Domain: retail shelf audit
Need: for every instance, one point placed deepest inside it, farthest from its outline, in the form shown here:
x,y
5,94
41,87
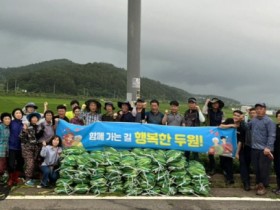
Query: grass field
x,y
8,103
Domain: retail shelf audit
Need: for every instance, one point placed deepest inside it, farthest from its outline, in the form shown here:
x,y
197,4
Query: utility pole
x,y
15,86
133,49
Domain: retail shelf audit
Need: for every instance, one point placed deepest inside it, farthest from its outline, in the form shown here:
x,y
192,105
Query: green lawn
x,y
8,103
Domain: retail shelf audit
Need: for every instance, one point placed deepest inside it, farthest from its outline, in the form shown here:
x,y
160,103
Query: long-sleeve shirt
x,y
263,133
4,139
15,129
50,155
89,117
48,131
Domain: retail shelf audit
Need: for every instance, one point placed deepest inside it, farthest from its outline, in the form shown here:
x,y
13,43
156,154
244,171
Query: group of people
x,y
28,142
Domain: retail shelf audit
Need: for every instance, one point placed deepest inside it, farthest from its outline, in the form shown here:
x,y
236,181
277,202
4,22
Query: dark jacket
x,y
127,117
215,118
191,118
277,140
15,129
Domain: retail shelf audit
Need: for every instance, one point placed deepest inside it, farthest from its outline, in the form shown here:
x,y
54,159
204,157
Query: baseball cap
x,y
260,104
192,100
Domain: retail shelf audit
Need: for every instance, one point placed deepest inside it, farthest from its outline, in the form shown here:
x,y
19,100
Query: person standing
x,y
213,111
47,125
192,118
173,118
6,119
226,160
125,114
277,154
263,138
244,155
29,108
92,111
139,110
76,119
109,115
30,136
70,113
15,160
154,116
61,113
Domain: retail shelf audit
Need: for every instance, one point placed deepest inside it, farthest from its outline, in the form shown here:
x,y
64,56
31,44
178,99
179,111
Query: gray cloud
x,y
206,47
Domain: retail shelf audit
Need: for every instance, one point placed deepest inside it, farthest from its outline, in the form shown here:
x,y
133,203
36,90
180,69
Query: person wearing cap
x,y
61,113
174,117
92,111
125,115
70,114
6,119
154,116
276,154
15,160
214,115
76,119
139,110
192,118
29,108
109,115
263,138
30,136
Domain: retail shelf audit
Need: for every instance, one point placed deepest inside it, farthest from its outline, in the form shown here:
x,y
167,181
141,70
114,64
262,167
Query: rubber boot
x,y
11,179
16,179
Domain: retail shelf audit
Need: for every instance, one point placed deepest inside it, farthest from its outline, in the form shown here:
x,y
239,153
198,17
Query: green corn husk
x,y
81,188
137,172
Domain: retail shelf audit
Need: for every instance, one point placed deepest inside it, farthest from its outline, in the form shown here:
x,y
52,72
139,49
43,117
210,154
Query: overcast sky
x,y
224,47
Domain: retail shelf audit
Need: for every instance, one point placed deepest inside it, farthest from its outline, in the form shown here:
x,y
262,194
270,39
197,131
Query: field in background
x,y
8,103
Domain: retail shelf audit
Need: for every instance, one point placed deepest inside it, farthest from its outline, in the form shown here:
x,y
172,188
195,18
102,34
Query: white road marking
x,y
84,197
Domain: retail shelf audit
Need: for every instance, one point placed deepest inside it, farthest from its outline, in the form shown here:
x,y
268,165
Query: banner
x,y
213,140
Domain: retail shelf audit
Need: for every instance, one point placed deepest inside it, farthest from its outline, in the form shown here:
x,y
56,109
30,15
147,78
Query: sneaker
x,y
261,190
29,183
41,186
277,192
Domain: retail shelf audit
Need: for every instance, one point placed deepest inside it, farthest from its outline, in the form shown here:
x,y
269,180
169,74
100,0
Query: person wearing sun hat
x,y
30,136
109,115
29,108
125,115
215,116
92,111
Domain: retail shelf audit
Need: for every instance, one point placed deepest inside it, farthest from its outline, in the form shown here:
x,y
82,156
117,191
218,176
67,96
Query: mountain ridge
x,y
96,79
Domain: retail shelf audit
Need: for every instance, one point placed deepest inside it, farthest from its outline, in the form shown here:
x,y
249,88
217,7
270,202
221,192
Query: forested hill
x,y
91,79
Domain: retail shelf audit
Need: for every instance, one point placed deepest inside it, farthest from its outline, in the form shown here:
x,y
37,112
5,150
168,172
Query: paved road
x,y
139,204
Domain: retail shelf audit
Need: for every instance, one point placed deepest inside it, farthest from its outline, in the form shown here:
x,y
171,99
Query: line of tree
x,y
92,79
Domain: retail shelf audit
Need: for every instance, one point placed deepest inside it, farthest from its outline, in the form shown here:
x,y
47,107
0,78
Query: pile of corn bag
x,y
134,172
